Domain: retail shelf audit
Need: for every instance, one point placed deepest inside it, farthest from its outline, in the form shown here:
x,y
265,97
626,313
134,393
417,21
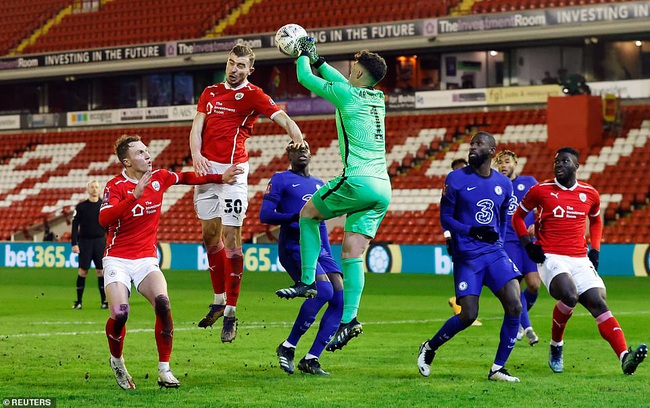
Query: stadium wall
x,y
616,259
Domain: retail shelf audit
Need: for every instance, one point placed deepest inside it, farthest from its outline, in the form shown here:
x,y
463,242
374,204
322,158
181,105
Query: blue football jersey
x,y
520,186
286,194
471,200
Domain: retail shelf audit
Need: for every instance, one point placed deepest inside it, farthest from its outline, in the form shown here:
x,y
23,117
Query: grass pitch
x,y
49,350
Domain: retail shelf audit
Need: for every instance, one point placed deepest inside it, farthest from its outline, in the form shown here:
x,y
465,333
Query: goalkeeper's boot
x,y
76,305
502,375
555,360
216,311
122,376
633,358
298,290
345,333
104,305
285,357
229,331
425,358
167,380
311,366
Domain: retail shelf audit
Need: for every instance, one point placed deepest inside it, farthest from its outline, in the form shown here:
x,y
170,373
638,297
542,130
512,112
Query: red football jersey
x,y
561,223
133,235
230,114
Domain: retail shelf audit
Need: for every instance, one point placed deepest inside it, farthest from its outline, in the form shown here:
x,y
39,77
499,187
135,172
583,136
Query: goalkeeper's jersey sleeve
x,y
360,121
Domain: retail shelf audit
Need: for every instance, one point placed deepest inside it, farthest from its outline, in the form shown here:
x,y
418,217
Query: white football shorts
x,y
126,271
226,201
581,270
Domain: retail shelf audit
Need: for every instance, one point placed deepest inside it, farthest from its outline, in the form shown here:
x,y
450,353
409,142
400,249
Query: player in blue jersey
x,y
455,165
285,196
506,162
474,208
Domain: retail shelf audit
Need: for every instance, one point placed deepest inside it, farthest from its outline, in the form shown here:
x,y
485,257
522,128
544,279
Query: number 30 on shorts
x,y
233,206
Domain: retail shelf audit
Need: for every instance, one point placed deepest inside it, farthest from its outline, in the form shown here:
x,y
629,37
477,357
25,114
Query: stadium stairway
x,y
21,18
127,22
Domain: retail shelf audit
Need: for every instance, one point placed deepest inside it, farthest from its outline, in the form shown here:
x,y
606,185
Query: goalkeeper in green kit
x,y
362,192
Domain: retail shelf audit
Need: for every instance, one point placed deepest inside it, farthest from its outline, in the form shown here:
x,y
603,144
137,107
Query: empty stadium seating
x,y
58,25
42,175
22,17
127,22
501,6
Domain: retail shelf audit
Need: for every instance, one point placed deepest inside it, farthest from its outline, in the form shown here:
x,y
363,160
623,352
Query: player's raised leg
x,y
211,230
354,245
310,247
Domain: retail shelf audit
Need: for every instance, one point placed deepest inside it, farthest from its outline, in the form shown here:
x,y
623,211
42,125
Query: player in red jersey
x,y
131,210
566,268
225,117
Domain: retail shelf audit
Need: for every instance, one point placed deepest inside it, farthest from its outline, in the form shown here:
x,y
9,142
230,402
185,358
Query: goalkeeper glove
x,y
484,233
594,257
307,47
535,253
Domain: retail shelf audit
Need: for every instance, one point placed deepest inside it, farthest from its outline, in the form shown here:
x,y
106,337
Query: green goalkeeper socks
x,y
310,246
353,283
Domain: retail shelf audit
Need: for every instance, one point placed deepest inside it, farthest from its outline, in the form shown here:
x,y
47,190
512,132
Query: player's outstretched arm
x,y
228,177
330,73
334,92
290,126
306,77
307,47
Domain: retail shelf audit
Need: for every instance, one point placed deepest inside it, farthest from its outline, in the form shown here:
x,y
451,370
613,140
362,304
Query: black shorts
x,y
91,250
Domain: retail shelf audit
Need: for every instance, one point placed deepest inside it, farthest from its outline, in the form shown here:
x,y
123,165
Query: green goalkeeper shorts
x,y
363,199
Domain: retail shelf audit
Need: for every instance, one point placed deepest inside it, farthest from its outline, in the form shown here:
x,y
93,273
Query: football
x,y
286,38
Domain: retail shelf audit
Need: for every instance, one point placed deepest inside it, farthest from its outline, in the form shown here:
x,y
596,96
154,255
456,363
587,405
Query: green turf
x,y
49,350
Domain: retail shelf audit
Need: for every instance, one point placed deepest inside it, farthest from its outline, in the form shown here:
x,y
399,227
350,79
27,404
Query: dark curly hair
x,y
373,62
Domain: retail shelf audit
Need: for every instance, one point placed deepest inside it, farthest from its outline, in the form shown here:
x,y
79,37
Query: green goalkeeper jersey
x,y
360,119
